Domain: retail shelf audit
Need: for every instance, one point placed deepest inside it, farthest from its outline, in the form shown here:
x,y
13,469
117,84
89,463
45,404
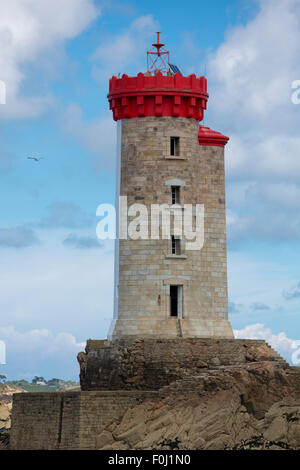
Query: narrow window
x,y
174,146
175,194
176,301
175,245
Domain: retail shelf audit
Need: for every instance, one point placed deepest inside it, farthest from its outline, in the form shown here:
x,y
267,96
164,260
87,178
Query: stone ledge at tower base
x,y
149,364
171,327
167,394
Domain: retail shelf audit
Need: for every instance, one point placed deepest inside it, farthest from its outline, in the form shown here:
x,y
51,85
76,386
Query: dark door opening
x,y
174,301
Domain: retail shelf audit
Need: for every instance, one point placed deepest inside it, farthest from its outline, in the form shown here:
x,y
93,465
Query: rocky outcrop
x,y
167,394
235,408
6,396
149,364
212,394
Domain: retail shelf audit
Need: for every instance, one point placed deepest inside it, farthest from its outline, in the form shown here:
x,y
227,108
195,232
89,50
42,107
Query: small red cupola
x,y
207,136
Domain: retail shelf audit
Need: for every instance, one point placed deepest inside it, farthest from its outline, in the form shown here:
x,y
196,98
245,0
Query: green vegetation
x,y
39,384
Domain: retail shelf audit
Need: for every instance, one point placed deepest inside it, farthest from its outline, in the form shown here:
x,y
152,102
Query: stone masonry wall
x,y
146,267
45,421
70,420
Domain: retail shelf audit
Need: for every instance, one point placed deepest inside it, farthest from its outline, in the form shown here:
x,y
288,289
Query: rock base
x,y
167,394
149,364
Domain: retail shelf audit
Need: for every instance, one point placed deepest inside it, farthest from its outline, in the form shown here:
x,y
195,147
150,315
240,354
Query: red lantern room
x,y
162,91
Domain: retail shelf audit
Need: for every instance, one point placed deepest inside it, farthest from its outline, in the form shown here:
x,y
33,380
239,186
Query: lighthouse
x,y
166,159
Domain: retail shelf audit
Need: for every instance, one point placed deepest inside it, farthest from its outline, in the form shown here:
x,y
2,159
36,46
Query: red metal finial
x,y
157,57
158,45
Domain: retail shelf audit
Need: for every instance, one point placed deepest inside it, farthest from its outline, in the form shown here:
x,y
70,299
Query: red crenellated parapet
x,y
207,136
158,95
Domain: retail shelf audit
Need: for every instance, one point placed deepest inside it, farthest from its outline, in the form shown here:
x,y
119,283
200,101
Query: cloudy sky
x,y
56,57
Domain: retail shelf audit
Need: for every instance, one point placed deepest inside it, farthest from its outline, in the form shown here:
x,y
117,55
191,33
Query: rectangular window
x,y
175,245
174,146
175,194
176,301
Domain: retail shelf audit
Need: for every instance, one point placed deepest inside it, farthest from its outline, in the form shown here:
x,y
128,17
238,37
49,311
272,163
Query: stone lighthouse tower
x,y
163,289
154,385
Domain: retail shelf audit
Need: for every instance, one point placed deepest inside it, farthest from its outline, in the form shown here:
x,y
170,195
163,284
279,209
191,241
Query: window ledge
x,y
174,207
173,157
170,256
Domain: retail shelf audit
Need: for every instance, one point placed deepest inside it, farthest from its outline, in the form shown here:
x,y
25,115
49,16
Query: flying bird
x,y
36,159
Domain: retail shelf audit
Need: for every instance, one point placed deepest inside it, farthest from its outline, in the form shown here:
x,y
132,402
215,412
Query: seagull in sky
x,y
36,159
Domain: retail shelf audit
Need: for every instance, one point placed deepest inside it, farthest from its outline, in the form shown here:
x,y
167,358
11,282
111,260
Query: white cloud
x,y
123,9
28,30
119,53
189,55
40,352
257,63
250,78
83,242
51,300
259,276
49,286
280,342
17,237
98,135
125,52
292,293
65,214
270,211
43,340
263,157
259,306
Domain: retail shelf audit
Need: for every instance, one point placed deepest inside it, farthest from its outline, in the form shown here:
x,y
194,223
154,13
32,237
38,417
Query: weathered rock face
x,y
212,394
6,396
234,409
149,364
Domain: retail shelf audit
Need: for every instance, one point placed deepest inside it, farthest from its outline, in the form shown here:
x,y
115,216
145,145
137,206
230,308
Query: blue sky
x,y
55,58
